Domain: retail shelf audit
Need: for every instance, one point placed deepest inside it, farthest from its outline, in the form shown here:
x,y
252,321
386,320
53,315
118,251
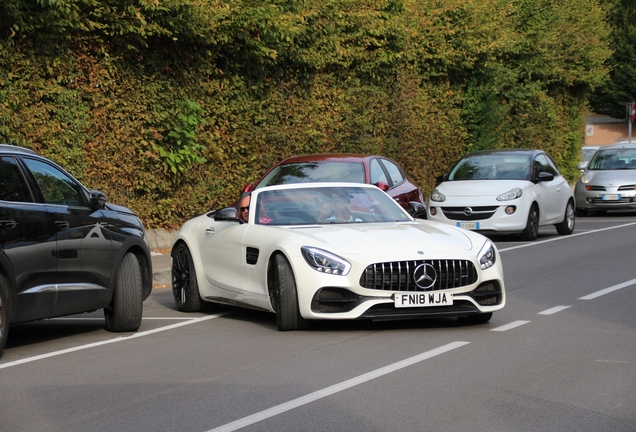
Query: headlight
x,y
585,178
487,255
437,196
510,195
325,262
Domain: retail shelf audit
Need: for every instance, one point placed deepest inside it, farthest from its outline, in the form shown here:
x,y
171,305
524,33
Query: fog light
x,y
510,210
433,211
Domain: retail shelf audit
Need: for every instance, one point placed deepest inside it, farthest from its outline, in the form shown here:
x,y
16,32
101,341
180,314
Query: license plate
x,y
468,225
417,299
611,197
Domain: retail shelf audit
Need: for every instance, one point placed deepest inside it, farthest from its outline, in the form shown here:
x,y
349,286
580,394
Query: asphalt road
x,y
561,356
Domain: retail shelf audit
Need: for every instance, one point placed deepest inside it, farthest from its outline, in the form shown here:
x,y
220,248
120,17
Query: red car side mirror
x,y
248,188
383,186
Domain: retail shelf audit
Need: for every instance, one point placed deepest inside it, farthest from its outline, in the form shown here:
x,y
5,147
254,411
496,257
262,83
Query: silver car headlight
x,y
325,262
510,195
437,196
585,178
487,256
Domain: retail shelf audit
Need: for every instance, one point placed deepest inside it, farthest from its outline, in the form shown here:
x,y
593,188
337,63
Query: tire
x,y
4,312
566,227
283,295
185,288
476,319
531,232
125,310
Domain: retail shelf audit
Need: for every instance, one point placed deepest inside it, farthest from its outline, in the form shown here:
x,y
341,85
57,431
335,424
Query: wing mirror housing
x,y
97,199
417,210
440,179
248,188
227,214
545,177
383,186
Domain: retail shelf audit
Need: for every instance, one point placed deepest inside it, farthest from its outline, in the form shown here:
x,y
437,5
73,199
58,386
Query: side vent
x,y
251,255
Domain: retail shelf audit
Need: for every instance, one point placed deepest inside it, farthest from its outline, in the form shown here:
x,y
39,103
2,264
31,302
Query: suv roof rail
x,y
9,147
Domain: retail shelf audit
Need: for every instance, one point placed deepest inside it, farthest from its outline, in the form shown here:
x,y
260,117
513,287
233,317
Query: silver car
x,y
609,180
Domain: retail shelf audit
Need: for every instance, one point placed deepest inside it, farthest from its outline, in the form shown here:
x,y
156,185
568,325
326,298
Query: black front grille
x,y
595,188
469,213
627,187
399,275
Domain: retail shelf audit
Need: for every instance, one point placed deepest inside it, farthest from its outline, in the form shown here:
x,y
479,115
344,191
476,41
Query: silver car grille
x,y
469,213
399,275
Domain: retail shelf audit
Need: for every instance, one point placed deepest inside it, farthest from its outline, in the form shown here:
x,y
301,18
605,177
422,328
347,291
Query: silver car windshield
x,y
614,159
492,167
313,172
327,205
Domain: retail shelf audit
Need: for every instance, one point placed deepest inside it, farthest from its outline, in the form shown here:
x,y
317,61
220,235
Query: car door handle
x,y
61,225
8,224
209,231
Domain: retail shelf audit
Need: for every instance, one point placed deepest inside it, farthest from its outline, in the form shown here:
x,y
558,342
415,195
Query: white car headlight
x,y
437,196
510,195
325,262
487,255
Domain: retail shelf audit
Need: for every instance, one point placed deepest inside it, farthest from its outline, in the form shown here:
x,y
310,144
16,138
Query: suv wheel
x,y
125,310
4,312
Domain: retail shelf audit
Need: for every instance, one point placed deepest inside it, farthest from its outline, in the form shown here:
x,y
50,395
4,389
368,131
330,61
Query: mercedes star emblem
x,y
425,276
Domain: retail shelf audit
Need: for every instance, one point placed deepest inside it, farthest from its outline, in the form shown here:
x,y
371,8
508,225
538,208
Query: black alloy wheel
x,y
532,226
4,312
284,297
185,288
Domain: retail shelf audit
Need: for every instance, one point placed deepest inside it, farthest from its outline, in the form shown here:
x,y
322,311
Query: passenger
x,y
339,211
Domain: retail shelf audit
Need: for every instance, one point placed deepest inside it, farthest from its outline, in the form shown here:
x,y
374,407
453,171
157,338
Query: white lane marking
x,y
553,310
311,397
109,341
608,290
536,243
510,326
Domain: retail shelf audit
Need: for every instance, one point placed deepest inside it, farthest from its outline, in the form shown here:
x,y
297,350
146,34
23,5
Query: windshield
x,y
614,159
327,205
492,167
313,172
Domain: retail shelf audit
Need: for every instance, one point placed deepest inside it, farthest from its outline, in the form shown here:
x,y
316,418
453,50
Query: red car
x,y
355,168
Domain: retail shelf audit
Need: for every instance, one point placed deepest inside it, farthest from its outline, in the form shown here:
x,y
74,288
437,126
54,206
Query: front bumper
x,y
604,198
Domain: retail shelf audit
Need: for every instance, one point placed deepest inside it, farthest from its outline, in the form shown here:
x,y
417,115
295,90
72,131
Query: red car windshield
x,y
312,172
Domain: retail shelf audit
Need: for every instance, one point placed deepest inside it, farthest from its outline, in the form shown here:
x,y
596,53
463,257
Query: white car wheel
x,y
185,287
532,227
567,226
283,295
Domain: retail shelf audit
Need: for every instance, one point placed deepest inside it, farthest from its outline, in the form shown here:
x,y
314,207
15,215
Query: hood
x,y
616,177
396,238
119,209
476,188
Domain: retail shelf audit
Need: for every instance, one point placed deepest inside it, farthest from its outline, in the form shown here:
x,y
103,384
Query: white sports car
x,y
332,251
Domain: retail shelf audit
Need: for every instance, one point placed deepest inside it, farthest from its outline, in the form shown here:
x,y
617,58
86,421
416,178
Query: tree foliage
x,y
172,106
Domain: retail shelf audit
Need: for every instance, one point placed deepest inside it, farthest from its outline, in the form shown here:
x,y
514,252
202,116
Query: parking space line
x,y
109,341
608,290
553,310
510,326
311,397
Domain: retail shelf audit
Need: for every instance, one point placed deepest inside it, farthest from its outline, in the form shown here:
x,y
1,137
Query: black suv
x,y
64,249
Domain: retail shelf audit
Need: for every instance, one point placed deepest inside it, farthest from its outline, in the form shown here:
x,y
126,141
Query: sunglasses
x,y
244,208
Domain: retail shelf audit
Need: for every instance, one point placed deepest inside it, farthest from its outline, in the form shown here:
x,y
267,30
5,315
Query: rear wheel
x,y
284,297
125,310
567,226
4,312
185,287
532,226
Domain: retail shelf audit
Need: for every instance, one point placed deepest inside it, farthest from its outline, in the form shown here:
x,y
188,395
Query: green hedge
x,y
172,107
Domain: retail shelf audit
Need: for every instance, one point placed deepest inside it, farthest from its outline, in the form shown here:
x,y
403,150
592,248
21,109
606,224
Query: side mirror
x,y
417,210
581,165
227,214
248,188
440,179
97,199
545,177
383,186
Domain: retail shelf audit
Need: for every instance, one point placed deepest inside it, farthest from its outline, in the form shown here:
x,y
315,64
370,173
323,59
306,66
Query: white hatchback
x,y
511,191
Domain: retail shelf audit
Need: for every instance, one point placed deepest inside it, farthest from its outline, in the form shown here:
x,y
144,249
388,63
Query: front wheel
x,y
125,310
531,232
283,295
567,226
185,288
4,312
